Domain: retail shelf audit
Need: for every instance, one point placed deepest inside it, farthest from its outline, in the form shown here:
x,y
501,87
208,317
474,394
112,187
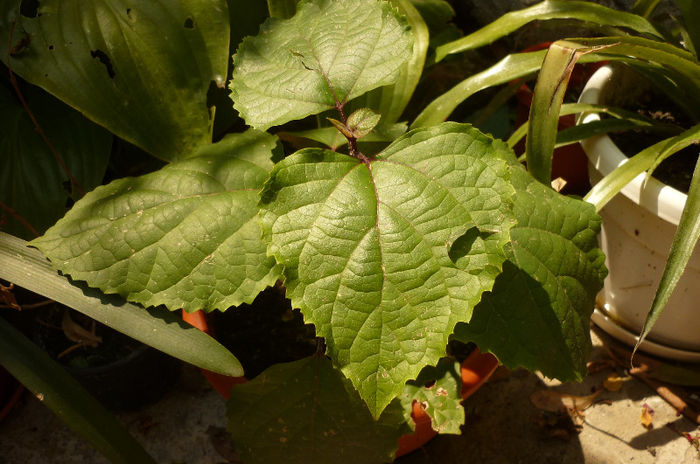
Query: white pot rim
x,y
653,195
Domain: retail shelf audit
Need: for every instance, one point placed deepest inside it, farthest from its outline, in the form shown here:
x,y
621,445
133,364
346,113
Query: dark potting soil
x,y
269,331
50,336
266,332
676,170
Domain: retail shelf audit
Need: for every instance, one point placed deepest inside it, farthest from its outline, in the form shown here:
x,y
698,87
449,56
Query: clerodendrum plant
x,y
388,252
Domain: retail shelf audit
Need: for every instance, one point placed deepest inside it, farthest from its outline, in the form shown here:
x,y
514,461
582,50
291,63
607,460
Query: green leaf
x,y
391,101
283,9
306,412
385,256
140,69
158,328
67,398
547,99
646,160
31,179
511,67
682,248
691,19
327,54
333,139
538,314
362,121
439,389
186,236
552,9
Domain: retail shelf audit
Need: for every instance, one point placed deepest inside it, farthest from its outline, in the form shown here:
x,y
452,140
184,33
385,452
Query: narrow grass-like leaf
x,y
67,398
282,9
645,8
681,249
691,18
158,328
648,158
185,236
552,9
307,412
632,119
548,96
327,54
537,316
120,63
384,257
393,99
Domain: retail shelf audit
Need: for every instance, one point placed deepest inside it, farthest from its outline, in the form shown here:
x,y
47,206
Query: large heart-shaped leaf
x,y
141,69
186,236
538,314
31,178
327,54
306,412
386,256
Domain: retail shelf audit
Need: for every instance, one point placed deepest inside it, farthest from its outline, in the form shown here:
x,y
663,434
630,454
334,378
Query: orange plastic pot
x,y
475,370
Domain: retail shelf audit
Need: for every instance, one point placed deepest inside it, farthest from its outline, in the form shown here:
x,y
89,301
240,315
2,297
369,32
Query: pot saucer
x,y
609,325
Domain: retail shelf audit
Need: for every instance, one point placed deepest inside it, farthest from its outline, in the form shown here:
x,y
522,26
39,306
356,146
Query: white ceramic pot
x,y
638,228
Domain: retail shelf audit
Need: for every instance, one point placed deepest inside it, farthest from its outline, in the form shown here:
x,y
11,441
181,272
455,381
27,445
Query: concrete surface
x,y
502,427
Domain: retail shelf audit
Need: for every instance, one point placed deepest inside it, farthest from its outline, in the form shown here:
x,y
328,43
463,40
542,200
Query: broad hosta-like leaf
x,y
438,388
538,313
305,412
186,236
385,257
141,69
327,54
31,179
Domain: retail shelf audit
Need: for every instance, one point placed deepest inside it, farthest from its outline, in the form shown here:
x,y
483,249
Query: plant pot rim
x,y
475,370
653,195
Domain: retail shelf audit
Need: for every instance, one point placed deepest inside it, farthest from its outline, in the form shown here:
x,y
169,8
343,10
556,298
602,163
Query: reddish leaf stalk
x,y
41,132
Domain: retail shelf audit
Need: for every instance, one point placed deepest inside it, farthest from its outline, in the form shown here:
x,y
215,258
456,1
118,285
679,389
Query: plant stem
x,y
15,86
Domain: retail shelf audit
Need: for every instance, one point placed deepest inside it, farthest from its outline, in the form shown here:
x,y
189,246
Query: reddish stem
x,y
18,217
15,86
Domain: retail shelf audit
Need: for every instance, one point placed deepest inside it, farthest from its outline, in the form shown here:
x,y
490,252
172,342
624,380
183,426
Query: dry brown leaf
x,y
558,184
613,382
647,416
77,333
8,298
597,366
554,401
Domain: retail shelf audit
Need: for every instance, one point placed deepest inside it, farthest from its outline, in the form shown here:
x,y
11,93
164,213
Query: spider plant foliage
x,y
390,243
666,56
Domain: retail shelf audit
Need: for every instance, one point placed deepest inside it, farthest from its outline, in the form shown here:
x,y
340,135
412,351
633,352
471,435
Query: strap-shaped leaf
x,y
385,257
31,179
186,236
156,327
549,9
67,398
537,315
306,412
121,63
327,54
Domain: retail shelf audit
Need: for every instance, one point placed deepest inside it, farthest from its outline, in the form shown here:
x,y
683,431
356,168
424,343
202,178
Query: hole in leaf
x,y
50,47
189,23
29,8
104,59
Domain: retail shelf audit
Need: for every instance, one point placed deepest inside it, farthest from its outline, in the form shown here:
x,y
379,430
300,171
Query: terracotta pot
x,y
637,231
475,370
